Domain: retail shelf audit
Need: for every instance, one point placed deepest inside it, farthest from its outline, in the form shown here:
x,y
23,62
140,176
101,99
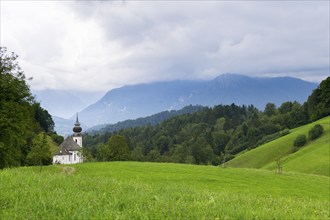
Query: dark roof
x,y
77,128
68,145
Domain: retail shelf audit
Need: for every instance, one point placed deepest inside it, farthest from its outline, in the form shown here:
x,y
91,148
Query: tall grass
x,y
131,190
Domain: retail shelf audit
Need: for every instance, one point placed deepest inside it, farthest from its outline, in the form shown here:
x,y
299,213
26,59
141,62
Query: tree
x,y
153,155
300,140
58,139
103,152
270,109
162,144
286,107
118,148
21,117
43,118
318,103
16,114
315,132
40,153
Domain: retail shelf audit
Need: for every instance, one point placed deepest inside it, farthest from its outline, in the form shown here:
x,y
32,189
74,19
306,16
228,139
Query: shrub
x,y
315,132
300,140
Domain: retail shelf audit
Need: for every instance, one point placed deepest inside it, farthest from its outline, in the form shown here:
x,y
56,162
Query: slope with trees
x,y
213,135
21,117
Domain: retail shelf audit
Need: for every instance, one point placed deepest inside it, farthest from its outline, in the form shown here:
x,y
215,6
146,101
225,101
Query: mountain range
x,y
134,101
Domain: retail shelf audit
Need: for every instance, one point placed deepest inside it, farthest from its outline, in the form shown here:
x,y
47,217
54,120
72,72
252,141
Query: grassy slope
x,y
312,158
132,190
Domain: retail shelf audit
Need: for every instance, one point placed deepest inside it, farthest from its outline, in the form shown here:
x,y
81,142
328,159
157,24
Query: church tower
x,y
77,137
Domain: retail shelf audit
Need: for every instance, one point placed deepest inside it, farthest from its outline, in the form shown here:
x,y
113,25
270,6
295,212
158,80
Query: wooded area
x,y
213,135
21,118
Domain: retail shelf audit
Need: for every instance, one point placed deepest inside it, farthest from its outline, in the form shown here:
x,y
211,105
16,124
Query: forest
x,y
210,136
27,134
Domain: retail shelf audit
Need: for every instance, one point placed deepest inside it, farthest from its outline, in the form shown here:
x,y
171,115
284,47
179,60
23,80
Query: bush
x,y
300,140
315,132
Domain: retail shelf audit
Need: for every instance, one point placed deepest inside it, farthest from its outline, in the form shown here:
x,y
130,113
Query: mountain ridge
x,y
141,100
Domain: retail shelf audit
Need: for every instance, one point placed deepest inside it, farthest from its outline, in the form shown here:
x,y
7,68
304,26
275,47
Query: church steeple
x,y
77,136
77,128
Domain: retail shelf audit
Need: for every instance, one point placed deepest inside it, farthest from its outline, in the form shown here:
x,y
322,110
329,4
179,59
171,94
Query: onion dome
x,y
77,128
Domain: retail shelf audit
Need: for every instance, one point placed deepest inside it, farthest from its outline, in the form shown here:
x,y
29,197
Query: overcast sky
x,y
100,45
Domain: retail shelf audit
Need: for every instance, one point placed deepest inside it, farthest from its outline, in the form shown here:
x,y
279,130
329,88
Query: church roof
x,y
77,128
68,145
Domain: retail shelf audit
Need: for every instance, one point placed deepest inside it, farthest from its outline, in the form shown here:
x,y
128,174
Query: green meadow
x,y
313,158
133,190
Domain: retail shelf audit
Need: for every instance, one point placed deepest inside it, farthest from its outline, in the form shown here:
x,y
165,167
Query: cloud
x,y
99,45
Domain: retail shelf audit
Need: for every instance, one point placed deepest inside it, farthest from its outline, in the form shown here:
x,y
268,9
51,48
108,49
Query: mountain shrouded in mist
x,y
130,102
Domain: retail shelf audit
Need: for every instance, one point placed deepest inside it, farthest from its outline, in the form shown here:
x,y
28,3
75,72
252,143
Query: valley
x,y
167,110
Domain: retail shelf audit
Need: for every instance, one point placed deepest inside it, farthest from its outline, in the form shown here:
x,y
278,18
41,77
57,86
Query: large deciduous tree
x,y
40,153
15,111
116,149
21,118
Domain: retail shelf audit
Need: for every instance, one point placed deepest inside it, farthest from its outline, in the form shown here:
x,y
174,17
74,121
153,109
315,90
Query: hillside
x,y
312,158
134,101
126,190
144,121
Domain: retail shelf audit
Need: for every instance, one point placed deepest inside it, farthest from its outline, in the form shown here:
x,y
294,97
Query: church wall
x,y
62,159
68,159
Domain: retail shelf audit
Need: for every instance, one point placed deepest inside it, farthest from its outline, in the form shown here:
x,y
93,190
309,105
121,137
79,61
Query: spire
x,y
77,121
77,129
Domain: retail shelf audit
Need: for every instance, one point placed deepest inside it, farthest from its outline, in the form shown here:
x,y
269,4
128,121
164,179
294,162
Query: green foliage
x,y
43,118
115,150
131,190
40,153
300,140
58,139
318,103
315,132
150,120
270,109
21,118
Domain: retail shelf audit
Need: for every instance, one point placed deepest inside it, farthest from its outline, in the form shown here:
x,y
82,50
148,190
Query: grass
x,y
132,190
313,158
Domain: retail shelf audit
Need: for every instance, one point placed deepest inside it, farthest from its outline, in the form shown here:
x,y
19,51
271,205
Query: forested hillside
x,y
213,135
23,123
150,120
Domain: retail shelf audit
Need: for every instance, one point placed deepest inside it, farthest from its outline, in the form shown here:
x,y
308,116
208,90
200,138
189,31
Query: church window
x,y
76,141
74,157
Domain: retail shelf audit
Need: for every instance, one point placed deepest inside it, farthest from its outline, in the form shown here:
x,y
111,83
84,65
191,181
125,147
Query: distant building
x,y
71,148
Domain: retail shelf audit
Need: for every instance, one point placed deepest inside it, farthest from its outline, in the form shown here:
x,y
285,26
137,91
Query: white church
x,y
71,148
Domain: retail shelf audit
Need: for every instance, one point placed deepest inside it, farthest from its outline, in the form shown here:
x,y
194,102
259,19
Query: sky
x,y
95,46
